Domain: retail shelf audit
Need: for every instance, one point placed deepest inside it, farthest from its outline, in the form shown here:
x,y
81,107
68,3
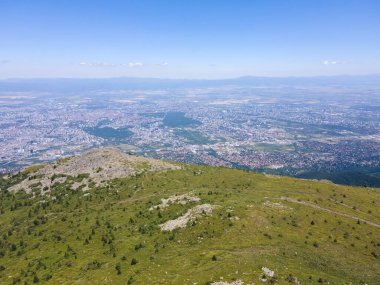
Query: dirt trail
x,y
330,211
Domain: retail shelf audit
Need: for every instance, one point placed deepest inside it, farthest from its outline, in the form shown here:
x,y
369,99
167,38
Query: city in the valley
x,y
306,131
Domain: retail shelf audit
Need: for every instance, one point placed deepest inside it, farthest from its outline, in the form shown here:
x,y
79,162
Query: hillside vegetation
x,y
166,223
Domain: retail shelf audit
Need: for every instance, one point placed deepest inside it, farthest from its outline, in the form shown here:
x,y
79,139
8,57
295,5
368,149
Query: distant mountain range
x,y
72,84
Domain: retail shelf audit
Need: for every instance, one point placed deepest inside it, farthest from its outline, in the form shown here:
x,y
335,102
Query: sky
x,y
205,39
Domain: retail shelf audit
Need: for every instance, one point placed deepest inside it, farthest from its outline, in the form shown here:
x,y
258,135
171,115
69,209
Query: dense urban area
x,y
282,130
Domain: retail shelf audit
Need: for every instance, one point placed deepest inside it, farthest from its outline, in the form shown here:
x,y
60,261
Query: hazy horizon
x,y
195,78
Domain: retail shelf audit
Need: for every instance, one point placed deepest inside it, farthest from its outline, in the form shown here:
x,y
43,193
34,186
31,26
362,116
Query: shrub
x,y
92,265
139,246
290,278
118,268
47,277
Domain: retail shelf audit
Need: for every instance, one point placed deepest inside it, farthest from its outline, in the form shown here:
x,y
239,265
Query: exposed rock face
x,y
237,282
99,165
267,272
180,199
191,214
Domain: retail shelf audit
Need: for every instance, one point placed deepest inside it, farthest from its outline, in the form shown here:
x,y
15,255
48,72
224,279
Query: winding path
x,y
286,199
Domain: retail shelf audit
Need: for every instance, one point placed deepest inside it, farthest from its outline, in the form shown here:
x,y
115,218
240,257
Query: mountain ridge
x,y
185,224
114,83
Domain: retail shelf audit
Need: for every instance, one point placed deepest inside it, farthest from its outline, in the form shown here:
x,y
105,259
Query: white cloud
x,y
101,64
105,64
4,61
135,64
331,62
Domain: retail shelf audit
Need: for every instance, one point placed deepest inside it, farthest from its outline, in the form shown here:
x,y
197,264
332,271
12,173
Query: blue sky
x,y
188,39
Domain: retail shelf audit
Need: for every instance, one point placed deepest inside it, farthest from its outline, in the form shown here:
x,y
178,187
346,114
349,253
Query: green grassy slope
x,y
111,236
